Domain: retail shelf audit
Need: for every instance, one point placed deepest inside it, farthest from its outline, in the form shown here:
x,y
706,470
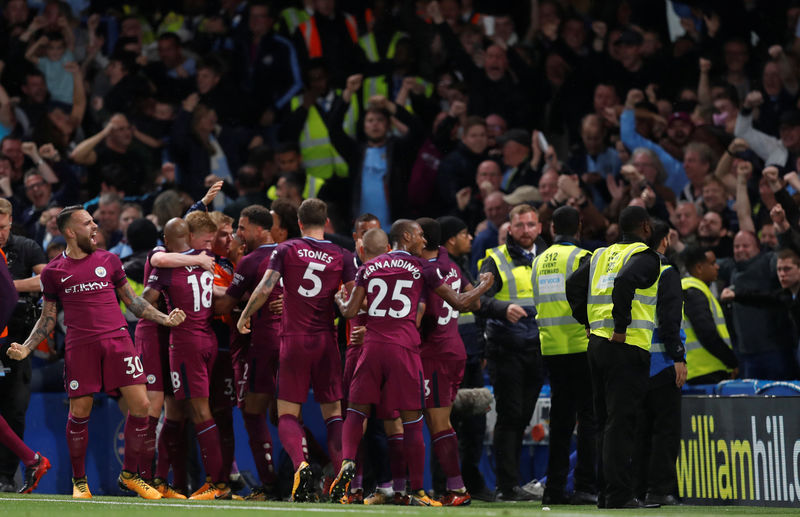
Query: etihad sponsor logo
x,y
87,287
394,263
760,467
314,254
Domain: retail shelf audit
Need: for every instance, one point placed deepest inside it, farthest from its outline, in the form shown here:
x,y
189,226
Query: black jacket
x,y
669,311
471,334
400,155
456,171
640,272
500,333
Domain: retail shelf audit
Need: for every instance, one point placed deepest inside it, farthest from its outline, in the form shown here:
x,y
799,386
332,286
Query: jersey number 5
x,y
382,288
316,282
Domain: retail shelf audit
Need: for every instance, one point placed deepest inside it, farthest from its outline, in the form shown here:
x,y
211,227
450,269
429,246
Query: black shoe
x,y
663,500
513,495
632,503
551,498
237,483
579,497
7,485
484,494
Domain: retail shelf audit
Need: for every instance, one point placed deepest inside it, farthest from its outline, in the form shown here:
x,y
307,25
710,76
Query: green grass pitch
x,y
46,505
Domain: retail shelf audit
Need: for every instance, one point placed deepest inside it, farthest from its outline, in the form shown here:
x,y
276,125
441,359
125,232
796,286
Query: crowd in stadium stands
x,y
386,109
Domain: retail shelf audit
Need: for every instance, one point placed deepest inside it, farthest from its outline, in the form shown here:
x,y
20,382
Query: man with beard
x,y
99,353
512,342
312,270
255,372
378,167
714,235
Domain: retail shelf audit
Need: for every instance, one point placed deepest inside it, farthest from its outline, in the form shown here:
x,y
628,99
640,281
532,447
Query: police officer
x,y
512,341
708,345
658,430
614,296
564,345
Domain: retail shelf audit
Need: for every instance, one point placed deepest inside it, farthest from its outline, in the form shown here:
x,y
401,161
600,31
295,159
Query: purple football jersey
x,y
143,323
191,289
86,289
249,272
312,272
395,282
440,324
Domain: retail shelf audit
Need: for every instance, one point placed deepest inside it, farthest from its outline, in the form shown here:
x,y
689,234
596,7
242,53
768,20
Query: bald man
x,y
152,346
496,210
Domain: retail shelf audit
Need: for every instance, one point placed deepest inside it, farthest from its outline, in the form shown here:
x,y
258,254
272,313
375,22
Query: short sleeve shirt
x,y
86,289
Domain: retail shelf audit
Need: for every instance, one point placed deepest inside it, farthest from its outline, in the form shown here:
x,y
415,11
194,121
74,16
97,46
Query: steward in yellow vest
x,y
564,344
658,429
709,354
512,343
615,295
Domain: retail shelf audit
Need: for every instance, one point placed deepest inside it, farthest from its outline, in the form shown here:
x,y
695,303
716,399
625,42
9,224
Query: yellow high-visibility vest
x,y
605,266
559,332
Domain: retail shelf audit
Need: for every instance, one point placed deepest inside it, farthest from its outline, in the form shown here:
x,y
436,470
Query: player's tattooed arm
x,y
41,331
257,299
465,302
151,295
143,309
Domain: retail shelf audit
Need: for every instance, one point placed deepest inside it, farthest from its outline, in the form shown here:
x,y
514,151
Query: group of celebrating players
x,y
192,358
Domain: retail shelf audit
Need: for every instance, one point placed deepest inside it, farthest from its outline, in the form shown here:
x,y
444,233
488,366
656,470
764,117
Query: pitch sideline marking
x,y
394,510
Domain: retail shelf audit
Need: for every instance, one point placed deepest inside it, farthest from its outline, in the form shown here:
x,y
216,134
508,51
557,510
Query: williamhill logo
x,y
755,461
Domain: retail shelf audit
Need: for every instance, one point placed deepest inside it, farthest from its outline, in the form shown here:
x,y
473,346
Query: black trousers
x,y
571,401
15,394
658,437
517,380
619,380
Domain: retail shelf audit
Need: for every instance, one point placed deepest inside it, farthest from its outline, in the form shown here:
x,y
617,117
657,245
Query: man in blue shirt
x,y
380,164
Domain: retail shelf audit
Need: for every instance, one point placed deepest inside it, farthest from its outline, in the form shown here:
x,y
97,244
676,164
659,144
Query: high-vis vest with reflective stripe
x,y
320,158
377,85
700,361
559,332
292,17
311,34
606,265
659,360
370,46
517,287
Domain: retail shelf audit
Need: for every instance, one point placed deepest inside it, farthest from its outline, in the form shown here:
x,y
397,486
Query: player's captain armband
x,y
549,284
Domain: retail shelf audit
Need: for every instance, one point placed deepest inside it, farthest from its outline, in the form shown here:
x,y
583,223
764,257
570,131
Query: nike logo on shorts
x,y
66,278
137,375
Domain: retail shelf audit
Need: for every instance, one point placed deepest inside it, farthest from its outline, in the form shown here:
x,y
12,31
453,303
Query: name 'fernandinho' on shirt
x,y
394,262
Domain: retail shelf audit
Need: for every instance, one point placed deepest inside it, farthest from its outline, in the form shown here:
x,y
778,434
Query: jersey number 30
x,y
378,284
